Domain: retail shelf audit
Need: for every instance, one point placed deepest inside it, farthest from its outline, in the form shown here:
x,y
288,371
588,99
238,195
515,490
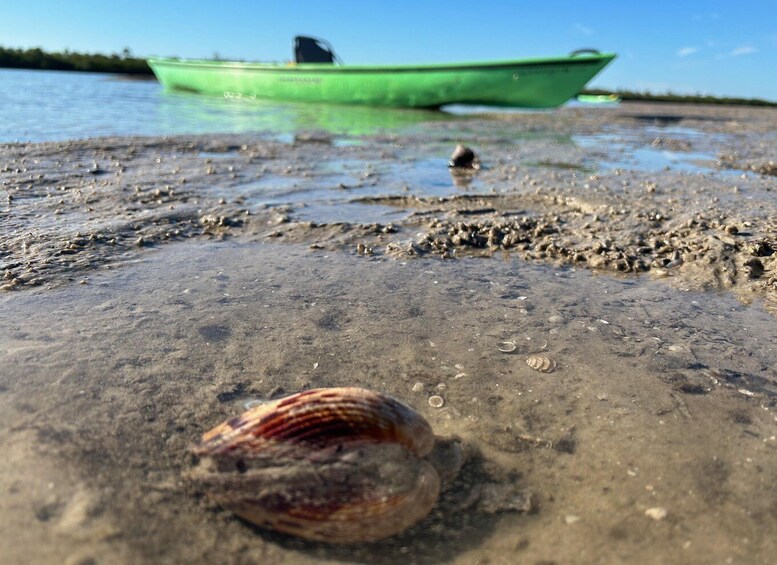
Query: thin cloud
x,y
738,52
685,51
585,30
744,50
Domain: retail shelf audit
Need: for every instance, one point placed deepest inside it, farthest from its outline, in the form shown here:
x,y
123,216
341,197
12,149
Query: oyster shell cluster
x,y
341,465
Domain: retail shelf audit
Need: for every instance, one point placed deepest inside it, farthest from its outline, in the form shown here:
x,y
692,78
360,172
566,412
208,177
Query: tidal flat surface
x,y
153,286
659,400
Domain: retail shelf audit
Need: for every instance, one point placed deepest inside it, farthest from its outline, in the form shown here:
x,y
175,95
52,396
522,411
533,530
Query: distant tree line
x,y
73,61
682,98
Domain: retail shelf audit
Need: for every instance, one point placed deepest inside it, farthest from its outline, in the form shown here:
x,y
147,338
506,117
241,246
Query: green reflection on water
x,y
194,113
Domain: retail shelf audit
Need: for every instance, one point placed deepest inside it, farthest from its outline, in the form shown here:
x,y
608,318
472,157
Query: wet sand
x,y
682,192
217,270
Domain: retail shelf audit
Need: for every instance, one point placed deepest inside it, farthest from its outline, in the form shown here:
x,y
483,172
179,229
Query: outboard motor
x,y
313,50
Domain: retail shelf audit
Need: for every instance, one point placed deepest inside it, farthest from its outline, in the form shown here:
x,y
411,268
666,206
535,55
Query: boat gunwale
x,y
345,69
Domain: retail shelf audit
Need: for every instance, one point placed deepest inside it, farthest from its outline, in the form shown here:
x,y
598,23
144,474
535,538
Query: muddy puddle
x,y
663,153
651,439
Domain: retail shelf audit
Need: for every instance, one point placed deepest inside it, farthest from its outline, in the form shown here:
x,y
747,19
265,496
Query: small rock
x,y
418,387
362,249
755,268
657,513
463,157
571,518
731,229
769,168
761,249
504,497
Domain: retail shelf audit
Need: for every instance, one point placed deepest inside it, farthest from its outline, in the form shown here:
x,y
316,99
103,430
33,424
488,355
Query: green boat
x,y
315,77
599,98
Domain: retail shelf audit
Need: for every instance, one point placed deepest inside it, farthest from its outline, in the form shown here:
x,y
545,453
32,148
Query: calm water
x,y
53,105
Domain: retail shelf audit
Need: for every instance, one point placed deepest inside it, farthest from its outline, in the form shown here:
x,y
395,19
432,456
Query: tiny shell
x,y
436,401
253,403
541,363
507,347
341,465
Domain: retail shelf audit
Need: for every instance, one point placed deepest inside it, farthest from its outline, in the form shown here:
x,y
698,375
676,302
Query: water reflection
x,y
54,106
181,112
626,153
349,190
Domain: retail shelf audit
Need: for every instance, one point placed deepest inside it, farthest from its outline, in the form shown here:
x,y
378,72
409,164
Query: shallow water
x,y
660,399
58,105
631,154
323,191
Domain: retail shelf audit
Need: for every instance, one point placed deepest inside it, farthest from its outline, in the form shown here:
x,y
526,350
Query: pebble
x,y
657,513
418,387
463,157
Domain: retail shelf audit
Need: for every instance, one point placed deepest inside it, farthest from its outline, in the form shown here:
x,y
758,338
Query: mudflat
x,y
154,286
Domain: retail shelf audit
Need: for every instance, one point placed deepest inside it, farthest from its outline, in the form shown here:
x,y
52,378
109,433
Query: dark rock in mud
x,y
463,158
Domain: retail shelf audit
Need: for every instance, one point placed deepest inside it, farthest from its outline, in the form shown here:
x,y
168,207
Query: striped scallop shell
x,y
339,465
541,363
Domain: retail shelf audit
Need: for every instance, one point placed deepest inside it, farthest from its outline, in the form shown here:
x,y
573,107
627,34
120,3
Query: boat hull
x,y
599,98
537,83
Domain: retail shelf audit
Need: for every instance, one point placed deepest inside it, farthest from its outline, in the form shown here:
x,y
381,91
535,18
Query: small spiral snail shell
x,y
341,465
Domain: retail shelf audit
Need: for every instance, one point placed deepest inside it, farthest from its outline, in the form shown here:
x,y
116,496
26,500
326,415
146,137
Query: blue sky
x,y
722,48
